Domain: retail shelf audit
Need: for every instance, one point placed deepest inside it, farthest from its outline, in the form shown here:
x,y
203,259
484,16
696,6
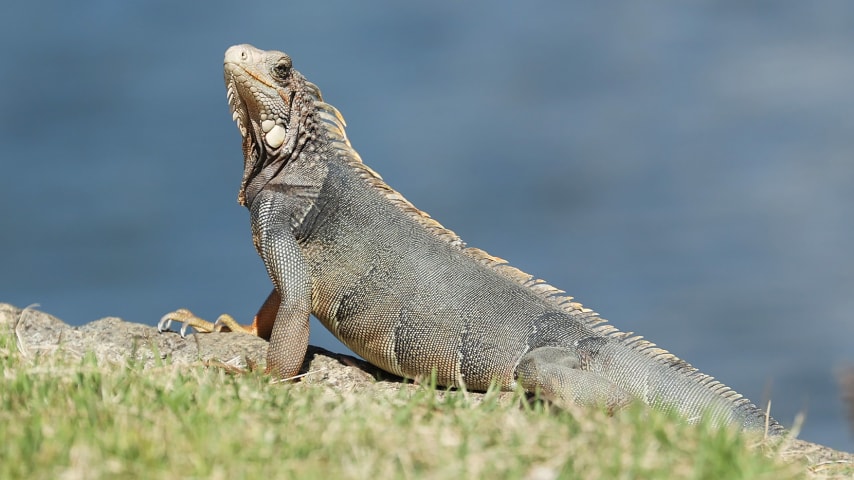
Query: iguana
x,y
404,292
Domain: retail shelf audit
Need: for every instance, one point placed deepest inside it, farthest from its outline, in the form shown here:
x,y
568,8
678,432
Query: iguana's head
x,y
270,101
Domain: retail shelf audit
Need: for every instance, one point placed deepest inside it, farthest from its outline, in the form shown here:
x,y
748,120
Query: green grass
x,y
79,420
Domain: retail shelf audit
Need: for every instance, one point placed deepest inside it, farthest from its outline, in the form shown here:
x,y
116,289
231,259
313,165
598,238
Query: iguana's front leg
x,y
262,324
271,219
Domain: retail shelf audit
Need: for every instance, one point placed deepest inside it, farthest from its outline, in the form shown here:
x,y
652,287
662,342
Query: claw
x,y
164,323
219,324
183,331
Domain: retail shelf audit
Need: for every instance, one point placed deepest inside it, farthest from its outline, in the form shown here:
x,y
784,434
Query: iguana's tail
x,y
664,381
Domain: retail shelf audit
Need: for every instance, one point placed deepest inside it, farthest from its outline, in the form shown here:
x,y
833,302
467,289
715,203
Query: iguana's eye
x,y
282,67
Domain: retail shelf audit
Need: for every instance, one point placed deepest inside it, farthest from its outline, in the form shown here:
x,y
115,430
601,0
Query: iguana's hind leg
x,y
261,326
554,372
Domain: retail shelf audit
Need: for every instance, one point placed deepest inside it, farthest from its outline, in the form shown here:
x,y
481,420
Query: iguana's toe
x,y
187,319
226,322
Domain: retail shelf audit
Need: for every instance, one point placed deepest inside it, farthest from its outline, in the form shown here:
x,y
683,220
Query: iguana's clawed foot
x,y
187,319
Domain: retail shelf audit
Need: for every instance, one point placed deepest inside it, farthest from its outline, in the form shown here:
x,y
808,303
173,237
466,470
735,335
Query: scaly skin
x,y
404,292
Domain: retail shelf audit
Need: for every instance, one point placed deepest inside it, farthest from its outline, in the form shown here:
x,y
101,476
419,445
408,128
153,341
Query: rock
x,y
114,340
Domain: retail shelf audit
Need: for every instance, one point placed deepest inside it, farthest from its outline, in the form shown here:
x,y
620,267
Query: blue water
x,y
687,171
